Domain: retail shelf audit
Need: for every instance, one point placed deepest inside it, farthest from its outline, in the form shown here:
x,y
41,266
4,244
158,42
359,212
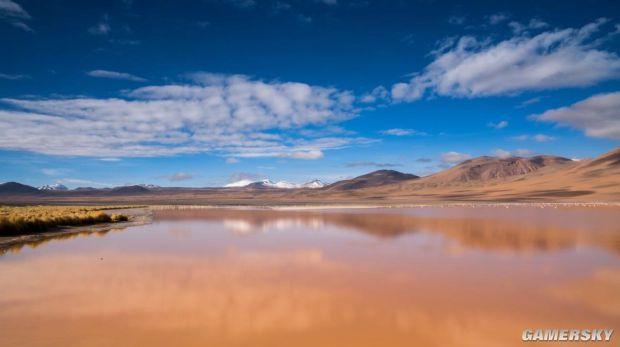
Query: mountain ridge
x,y
539,178
17,188
372,179
492,168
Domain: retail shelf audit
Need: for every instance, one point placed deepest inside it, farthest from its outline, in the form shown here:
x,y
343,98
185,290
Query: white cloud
x,y
23,26
377,94
371,164
408,39
530,101
9,8
12,77
497,18
521,152
311,154
401,132
12,13
543,138
225,115
304,18
241,4
180,176
454,157
115,75
101,28
597,116
533,24
408,92
536,137
53,172
240,176
83,182
499,125
232,160
457,20
280,6
468,67
501,153
110,159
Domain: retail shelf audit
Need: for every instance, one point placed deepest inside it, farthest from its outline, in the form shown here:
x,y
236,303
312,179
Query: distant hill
x,y
609,160
84,189
129,190
14,188
485,168
373,179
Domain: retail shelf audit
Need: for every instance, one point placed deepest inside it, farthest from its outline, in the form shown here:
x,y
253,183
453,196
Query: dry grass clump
x,y
119,218
36,219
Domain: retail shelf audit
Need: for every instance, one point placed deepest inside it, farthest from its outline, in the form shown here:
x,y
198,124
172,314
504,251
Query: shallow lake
x,y
424,276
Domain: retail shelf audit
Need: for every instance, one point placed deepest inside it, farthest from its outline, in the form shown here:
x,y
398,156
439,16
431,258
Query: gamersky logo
x,y
575,335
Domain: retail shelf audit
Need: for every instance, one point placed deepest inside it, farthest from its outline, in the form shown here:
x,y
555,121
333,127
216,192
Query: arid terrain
x,y
482,179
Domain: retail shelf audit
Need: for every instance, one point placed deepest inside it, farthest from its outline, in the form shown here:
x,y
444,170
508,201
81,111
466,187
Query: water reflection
x,y
44,239
479,229
284,278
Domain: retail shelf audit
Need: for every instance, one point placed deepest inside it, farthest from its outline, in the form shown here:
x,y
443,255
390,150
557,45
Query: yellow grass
x,y
35,219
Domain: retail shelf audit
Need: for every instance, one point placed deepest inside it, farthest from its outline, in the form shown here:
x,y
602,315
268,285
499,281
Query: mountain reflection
x,y
536,233
43,239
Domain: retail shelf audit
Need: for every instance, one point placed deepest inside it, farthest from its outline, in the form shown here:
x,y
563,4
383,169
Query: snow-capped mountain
x,y
313,184
279,184
267,183
241,183
149,186
56,186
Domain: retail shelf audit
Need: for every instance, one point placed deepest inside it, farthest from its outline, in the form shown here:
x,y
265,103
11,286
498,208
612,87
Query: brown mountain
x,y
373,179
492,168
540,178
128,190
14,188
607,162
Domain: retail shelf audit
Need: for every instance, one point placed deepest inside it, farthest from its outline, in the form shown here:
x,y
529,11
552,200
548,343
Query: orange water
x,y
369,277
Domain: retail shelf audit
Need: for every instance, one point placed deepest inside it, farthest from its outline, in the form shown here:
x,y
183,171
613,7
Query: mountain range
x,y
267,183
538,178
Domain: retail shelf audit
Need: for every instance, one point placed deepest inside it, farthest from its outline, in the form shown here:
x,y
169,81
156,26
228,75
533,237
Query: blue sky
x,y
199,93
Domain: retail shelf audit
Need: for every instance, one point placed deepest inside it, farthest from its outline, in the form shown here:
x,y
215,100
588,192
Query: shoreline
x,y
137,216
287,207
